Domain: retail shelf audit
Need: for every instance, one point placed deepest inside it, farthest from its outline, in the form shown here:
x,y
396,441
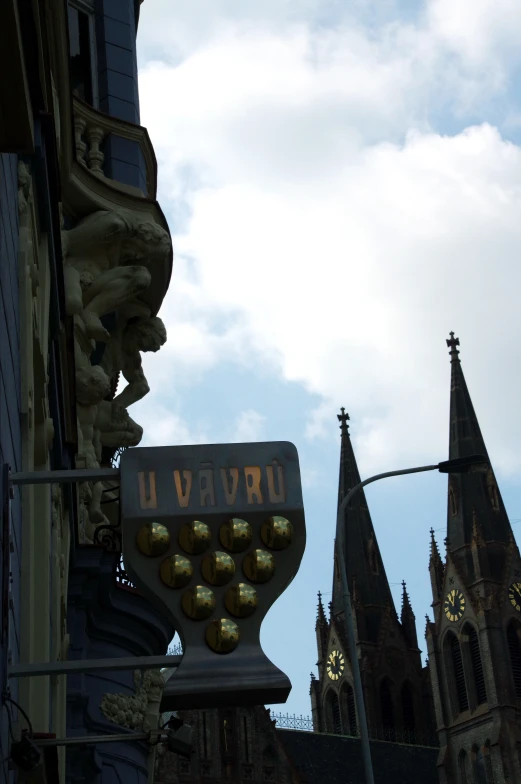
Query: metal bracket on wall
x,y
88,740
67,476
78,666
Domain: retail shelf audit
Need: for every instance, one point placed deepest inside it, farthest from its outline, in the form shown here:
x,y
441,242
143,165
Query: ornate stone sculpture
x,y
116,427
100,275
137,711
106,269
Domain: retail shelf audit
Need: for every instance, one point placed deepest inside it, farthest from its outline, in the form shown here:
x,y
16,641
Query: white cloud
x,y
332,233
249,426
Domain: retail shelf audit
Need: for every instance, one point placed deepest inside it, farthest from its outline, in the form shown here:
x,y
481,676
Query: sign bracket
x,y
68,476
78,666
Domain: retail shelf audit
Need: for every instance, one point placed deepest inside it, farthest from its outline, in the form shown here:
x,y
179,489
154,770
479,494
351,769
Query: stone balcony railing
x,y
114,149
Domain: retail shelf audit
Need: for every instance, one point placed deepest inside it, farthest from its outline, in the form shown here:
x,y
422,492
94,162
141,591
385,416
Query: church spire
x,y
321,616
363,560
408,619
473,493
436,569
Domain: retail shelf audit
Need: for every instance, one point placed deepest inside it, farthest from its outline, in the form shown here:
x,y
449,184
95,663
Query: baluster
x,y
94,156
79,127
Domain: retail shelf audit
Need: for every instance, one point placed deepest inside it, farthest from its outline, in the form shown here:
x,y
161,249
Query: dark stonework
x,y
235,745
105,621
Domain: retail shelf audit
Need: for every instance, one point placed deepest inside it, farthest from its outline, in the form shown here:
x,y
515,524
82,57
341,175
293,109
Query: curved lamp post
x,y
460,465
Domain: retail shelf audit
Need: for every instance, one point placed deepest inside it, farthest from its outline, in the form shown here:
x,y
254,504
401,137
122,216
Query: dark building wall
x,y
106,621
10,432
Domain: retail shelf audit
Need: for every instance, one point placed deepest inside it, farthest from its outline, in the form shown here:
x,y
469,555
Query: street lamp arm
x,y
354,490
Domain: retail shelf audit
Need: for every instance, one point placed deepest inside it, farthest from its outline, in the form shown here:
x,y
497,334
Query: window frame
x,y
87,7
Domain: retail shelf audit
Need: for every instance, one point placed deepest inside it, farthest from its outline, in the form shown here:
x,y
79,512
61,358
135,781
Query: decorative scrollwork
x,y
108,536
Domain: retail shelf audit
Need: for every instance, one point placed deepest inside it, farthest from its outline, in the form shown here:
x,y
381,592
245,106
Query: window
x,y
82,52
515,655
246,743
205,738
489,775
409,723
456,661
480,773
492,491
477,668
386,708
350,708
462,767
334,723
452,502
372,554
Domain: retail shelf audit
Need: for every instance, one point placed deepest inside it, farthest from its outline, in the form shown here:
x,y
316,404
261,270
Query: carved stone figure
x,y
134,711
92,385
116,427
123,353
100,270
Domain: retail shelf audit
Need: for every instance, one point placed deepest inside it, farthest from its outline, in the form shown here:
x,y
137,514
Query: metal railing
x,y
409,737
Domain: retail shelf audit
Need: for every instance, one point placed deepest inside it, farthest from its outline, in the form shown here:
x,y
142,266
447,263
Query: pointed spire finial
x,y
321,616
406,603
434,546
452,343
343,418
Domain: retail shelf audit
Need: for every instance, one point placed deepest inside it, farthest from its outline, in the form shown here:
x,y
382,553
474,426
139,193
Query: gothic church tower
x,y
474,642
394,682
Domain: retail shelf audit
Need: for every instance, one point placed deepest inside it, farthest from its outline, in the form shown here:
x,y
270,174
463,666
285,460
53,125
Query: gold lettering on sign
x,y
183,498
147,490
230,492
253,489
280,497
206,487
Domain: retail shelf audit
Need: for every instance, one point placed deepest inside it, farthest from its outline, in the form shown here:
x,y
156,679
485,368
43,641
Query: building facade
x,y
474,641
85,262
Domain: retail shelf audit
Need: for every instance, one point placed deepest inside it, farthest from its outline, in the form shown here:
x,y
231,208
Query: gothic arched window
x,y
479,769
205,738
334,722
492,491
514,648
489,776
453,502
475,660
386,708
349,706
407,698
372,554
455,661
463,767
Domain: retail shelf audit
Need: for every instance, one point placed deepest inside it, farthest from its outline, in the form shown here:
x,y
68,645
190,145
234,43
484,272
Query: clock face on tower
x,y
454,605
335,665
514,594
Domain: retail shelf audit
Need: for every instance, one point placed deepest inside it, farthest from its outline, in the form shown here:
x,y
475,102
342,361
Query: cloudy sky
x,y
343,186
